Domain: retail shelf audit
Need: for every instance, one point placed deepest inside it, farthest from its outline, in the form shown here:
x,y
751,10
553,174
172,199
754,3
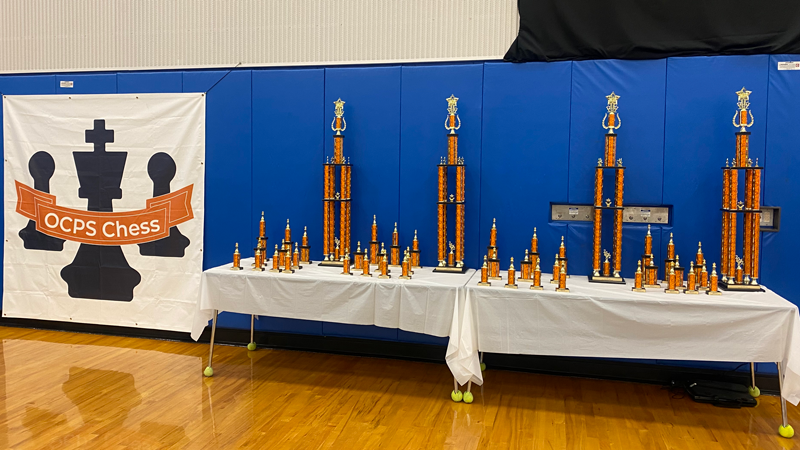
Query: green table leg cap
x,y
754,391
456,396
483,367
468,397
786,431
251,346
209,372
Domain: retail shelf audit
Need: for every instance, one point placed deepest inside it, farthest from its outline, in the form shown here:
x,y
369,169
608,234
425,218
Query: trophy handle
x,y
752,121
344,124
735,115
602,122
619,122
459,122
333,128
447,123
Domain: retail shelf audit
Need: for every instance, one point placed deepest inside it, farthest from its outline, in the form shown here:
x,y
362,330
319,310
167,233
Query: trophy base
x,y
236,268
480,283
741,287
562,290
275,270
305,262
638,290
702,289
553,281
690,292
671,291
332,264
450,269
510,286
526,280
495,278
713,293
404,278
366,275
537,288
395,265
257,269
416,267
346,273
384,277
652,286
605,279
287,271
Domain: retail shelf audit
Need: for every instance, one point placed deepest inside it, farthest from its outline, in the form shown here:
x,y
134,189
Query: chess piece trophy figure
x,y
161,169
100,271
41,166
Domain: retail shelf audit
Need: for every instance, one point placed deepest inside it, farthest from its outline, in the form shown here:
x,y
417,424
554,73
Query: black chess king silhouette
x,y
41,166
98,271
161,169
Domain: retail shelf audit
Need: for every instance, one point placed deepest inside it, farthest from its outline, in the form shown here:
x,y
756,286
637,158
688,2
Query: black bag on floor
x,y
718,393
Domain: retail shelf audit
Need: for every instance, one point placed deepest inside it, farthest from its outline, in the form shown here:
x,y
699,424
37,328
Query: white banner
x,y
104,208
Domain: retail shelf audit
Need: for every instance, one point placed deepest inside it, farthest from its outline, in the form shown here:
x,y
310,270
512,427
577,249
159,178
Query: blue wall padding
x,y
525,154
148,82
641,86
423,142
530,135
699,137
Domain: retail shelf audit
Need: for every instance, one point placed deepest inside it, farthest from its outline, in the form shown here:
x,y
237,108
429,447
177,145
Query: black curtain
x,y
554,30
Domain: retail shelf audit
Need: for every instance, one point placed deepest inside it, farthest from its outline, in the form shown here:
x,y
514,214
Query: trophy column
x,y
453,262
741,273
609,162
337,202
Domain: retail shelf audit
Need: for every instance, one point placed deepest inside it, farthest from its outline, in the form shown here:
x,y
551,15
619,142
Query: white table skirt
x,y
611,321
423,304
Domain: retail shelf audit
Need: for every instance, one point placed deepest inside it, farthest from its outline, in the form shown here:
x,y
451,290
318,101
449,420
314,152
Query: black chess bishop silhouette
x,y
42,167
161,169
98,271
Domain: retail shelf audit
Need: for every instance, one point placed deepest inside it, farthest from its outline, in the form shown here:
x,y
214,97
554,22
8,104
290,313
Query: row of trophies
x,y
736,274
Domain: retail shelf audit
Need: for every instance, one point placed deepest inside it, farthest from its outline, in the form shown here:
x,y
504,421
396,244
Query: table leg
x,y
456,395
209,372
785,429
252,345
483,366
468,398
753,389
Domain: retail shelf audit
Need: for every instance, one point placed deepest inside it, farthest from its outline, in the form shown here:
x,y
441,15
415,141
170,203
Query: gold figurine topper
x,y
611,114
452,108
744,105
338,125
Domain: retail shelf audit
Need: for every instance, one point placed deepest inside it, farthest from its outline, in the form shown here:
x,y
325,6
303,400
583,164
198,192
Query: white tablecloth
x,y
611,321
423,304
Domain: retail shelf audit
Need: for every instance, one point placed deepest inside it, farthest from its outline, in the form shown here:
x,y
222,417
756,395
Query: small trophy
x,y
669,262
556,271
713,282
287,235
305,249
562,256
296,257
415,260
373,244
494,265
526,268
395,248
406,266
365,265
337,254
237,259
451,255
358,258
606,264
534,255
259,263
638,283
562,278
671,283
262,236
287,261
512,284
484,273
276,260
346,262
384,267
537,278
703,278
691,280
678,271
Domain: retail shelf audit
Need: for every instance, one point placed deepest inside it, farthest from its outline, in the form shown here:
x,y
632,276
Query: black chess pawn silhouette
x,y
41,166
161,169
100,271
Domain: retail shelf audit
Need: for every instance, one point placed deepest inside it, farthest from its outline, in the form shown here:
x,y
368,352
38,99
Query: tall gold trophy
x,y
741,275
454,264
336,203
605,275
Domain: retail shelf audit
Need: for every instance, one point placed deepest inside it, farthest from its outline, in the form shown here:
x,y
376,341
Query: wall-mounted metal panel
x,y
658,215
78,35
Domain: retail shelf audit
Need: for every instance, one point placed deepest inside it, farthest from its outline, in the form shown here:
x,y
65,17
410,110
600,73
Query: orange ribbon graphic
x,y
105,228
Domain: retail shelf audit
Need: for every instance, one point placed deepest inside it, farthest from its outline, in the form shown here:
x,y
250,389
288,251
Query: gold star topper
x,y
612,103
744,99
339,109
452,103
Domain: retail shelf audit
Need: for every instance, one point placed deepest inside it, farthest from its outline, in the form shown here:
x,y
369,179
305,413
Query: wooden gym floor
x,y
68,390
